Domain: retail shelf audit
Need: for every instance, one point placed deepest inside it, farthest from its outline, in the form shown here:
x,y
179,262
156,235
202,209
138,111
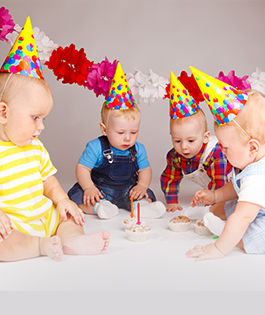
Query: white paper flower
x,y
149,87
257,81
45,46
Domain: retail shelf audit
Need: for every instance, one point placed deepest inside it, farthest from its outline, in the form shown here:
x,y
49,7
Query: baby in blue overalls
x,y
114,167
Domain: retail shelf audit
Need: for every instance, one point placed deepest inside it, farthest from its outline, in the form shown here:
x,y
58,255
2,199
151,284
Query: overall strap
x,y
106,150
133,152
209,147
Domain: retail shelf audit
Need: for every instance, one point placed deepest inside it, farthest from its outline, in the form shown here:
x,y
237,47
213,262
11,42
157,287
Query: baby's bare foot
x,y
91,244
52,247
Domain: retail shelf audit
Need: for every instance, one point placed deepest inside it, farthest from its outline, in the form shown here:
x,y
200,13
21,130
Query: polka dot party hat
x,y
181,103
120,95
224,101
23,57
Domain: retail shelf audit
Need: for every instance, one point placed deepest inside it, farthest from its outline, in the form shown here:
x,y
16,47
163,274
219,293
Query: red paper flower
x,y
190,84
70,65
6,23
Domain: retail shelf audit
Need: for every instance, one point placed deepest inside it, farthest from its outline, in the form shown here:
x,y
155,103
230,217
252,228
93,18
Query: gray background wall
x,y
162,35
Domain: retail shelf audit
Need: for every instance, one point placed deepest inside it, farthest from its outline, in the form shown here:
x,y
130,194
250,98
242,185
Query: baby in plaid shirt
x,y
195,154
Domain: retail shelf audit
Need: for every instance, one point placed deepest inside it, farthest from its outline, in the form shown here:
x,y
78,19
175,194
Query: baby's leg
x,y
103,209
76,242
20,246
218,210
87,209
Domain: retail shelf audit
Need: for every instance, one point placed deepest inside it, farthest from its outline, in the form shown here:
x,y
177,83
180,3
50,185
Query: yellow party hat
x,y
182,103
23,57
224,101
120,95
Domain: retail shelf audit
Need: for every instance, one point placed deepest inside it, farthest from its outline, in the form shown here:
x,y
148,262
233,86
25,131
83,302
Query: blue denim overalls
x,y
115,177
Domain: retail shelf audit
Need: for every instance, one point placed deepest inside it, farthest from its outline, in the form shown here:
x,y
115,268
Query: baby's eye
x,y
191,141
120,132
134,132
36,117
177,141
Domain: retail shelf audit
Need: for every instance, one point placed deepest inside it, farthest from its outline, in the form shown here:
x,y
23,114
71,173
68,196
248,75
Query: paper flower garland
x,y
147,87
6,23
100,75
257,81
70,65
236,82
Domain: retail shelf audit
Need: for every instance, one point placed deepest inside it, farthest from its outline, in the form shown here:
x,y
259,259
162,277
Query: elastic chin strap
x,y
3,90
243,130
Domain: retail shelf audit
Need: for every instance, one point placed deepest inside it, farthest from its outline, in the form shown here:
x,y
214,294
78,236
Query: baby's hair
x,y
199,115
251,119
131,113
10,84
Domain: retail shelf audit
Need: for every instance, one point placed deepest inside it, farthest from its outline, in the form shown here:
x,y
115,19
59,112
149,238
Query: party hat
x,y
23,57
224,101
120,95
181,103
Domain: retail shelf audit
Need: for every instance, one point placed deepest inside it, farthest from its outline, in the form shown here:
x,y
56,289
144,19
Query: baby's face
x,y
188,137
236,152
122,131
26,113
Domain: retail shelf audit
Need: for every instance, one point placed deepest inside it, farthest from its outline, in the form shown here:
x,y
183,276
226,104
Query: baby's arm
x,y
170,181
208,197
91,192
5,225
235,227
144,180
54,191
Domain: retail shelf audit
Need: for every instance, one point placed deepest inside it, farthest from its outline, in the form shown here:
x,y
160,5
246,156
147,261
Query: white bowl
x,y
177,226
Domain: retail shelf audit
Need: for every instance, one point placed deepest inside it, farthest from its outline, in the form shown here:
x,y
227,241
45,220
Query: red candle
x,y
138,214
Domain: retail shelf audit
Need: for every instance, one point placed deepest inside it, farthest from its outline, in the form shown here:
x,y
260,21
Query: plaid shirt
x,y
216,166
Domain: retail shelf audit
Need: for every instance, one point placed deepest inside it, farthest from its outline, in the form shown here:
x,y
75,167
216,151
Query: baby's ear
x,y
103,128
254,146
3,112
206,137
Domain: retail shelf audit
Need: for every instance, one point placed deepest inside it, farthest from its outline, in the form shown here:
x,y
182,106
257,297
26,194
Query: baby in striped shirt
x,y
36,216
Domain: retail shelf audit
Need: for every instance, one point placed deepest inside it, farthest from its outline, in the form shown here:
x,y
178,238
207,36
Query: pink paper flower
x,y
6,23
236,82
100,76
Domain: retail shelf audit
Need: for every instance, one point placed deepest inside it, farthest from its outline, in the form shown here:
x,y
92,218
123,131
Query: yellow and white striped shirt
x,y
22,172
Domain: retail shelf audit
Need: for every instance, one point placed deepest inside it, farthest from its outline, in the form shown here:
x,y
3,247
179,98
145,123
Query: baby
x,y
36,216
114,167
239,128
195,153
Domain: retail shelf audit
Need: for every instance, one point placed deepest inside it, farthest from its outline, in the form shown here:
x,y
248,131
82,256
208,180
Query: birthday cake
x,y
200,228
179,224
138,232
130,221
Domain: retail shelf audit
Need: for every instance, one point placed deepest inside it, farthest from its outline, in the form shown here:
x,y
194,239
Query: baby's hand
x,y
203,196
209,251
91,195
65,206
138,192
172,207
5,226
